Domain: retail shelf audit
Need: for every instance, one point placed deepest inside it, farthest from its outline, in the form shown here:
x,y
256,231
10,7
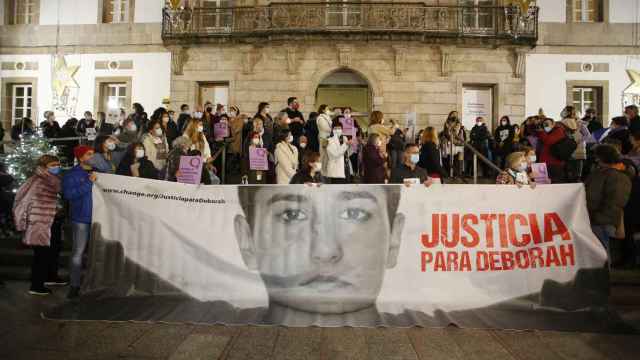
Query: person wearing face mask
x,y
195,133
516,171
107,157
303,148
337,147
297,119
35,207
577,130
409,173
254,140
129,133
503,135
286,155
183,118
235,146
264,114
550,135
281,123
430,158
169,127
198,113
85,123
373,161
310,170
323,123
136,164
155,145
480,139
77,187
180,148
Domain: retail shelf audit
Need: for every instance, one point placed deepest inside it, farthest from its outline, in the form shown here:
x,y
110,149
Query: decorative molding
x,y
292,59
400,58
114,65
586,67
344,54
250,57
179,56
19,65
446,59
520,62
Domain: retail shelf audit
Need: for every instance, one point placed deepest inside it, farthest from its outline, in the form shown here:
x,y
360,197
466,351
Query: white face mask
x,y
522,167
504,123
111,146
289,139
158,132
479,123
132,127
533,158
337,132
233,114
197,115
255,141
379,143
316,166
267,110
200,128
139,154
548,129
303,145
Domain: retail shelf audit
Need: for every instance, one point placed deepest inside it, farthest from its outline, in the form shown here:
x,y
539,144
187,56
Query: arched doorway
x,y
343,88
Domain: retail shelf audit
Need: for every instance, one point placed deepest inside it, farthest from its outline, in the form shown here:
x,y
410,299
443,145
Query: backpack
x,y
564,149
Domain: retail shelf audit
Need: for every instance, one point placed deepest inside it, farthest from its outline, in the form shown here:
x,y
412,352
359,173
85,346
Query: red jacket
x,y
548,140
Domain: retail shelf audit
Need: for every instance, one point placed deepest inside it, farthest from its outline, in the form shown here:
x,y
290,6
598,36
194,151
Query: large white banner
x,y
359,255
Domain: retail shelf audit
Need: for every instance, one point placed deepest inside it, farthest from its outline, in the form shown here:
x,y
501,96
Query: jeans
x,y
603,233
81,233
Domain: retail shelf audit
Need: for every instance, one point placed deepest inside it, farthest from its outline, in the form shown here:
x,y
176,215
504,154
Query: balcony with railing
x,y
342,19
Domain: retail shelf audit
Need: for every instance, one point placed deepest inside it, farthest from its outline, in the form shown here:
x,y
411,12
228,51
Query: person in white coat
x,y
337,147
286,157
324,123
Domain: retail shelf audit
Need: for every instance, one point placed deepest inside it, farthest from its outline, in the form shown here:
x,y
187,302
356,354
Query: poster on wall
x,y
65,87
631,95
476,101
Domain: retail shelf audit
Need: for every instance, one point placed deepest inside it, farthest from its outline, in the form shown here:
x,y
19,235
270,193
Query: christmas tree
x,y
22,161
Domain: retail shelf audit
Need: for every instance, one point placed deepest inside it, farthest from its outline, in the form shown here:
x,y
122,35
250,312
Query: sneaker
x,y
56,282
74,293
40,292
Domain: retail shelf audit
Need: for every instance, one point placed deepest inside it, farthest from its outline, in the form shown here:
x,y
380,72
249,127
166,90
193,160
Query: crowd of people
x,y
329,146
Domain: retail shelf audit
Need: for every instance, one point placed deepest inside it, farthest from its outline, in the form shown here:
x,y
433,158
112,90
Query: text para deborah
x,y
501,241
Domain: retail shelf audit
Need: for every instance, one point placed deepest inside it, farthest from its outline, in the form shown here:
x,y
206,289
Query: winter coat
x,y
83,124
303,177
503,136
581,135
335,161
77,189
50,131
287,162
35,207
608,191
324,127
146,170
480,137
235,127
548,140
158,158
430,160
373,165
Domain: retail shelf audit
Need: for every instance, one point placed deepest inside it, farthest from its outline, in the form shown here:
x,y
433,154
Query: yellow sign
x,y
634,88
63,76
524,4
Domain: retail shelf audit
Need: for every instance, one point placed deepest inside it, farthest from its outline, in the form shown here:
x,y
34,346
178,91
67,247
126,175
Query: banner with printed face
x,y
343,255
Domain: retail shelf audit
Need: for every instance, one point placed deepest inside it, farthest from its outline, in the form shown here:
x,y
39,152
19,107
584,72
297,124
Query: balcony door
x,y
343,13
216,15
477,15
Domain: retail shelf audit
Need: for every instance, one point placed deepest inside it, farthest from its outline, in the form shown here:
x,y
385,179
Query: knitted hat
x,y
80,150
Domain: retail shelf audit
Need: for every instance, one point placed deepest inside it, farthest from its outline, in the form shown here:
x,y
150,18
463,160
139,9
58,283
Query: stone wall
x,y
403,77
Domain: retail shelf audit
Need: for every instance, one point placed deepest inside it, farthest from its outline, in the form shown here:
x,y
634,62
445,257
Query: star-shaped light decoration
x,y
63,76
634,88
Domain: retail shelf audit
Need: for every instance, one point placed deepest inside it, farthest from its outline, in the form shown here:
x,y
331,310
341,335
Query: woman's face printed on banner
x,y
321,251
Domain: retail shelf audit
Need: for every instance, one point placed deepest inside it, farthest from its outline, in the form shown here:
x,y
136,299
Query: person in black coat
x,y
297,119
22,127
430,154
311,131
136,164
619,130
309,172
503,136
86,123
50,127
593,123
480,140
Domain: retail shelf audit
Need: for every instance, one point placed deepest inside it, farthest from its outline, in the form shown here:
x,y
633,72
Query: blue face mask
x,y
54,170
415,158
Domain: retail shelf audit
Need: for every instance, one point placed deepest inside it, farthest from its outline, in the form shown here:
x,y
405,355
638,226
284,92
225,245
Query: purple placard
x,y
190,170
258,159
348,127
540,173
220,130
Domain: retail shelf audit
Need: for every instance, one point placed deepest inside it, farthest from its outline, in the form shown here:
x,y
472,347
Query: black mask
x,y
209,109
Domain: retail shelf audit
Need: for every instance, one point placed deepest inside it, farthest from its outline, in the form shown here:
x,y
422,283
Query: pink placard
x,y
190,169
348,127
540,173
258,159
220,130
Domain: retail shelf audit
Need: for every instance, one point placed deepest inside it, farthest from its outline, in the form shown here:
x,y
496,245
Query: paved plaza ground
x,y
25,335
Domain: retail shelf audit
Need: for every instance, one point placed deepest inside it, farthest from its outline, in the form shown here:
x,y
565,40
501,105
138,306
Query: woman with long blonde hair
x,y
430,154
195,133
